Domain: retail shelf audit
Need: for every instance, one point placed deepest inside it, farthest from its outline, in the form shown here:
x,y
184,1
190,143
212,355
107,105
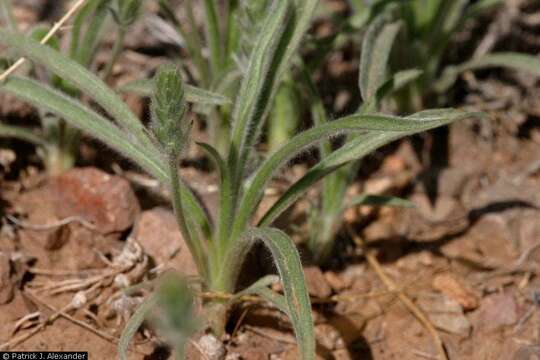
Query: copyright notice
x,y
43,355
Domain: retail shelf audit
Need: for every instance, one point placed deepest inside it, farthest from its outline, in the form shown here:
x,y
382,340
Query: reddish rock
x,y
71,246
316,282
446,314
498,310
157,232
328,337
336,281
107,201
455,289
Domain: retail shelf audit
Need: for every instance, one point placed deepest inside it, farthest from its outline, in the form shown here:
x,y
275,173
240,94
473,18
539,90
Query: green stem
x,y
115,54
57,160
195,247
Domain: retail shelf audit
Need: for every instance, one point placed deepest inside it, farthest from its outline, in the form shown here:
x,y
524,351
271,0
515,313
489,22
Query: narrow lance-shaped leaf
x,y
289,267
213,34
84,43
134,323
174,316
246,128
256,287
378,200
226,213
376,49
357,148
192,38
6,10
278,300
516,61
21,133
354,123
254,95
476,8
193,94
83,118
83,79
102,129
395,83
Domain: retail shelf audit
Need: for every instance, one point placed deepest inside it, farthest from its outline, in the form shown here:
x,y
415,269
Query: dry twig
x,y
45,227
409,304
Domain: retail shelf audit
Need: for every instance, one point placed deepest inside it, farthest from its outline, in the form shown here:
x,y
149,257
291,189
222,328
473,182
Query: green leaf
x,y
174,317
134,323
81,78
395,83
257,86
102,129
358,147
6,9
193,94
226,213
256,287
278,300
284,116
376,49
127,12
213,37
84,42
21,133
390,125
290,271
279,39
516,61
192,38
84,119
479,6
378,200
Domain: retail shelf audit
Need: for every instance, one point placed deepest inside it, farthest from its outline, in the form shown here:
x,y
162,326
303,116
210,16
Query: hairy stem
x,y
195,247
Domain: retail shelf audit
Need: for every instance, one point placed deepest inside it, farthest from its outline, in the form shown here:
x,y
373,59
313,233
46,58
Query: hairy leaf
x,y
256,287
357,148
174,317
516,61
226,213
290,270
278,300
378,200
21,133
84,119
83,79
376,49
257,85
134,323
194,94
102,129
